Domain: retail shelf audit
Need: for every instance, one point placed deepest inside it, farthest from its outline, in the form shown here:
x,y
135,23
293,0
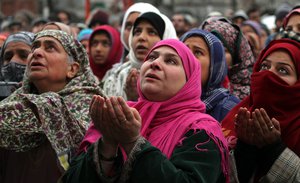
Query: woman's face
x,y
100,48
201,51
293,23
128,25
49,63
16,51
162,74
145,36
280,63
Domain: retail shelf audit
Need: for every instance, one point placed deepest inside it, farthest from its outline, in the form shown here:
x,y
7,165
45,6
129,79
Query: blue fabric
x,y
217,99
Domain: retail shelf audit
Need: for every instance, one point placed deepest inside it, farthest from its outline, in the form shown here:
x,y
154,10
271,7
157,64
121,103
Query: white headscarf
x,y
139,8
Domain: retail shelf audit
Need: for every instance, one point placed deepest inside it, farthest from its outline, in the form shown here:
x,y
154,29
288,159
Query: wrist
x,y
107,151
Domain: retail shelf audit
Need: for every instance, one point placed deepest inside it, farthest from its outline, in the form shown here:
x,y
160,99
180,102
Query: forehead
x,y
282,56
132,17
17,45
47,40
166,50
196,39
101,35
144,23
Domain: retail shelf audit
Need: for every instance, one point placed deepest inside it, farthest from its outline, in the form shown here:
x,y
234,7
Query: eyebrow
x,y
282,63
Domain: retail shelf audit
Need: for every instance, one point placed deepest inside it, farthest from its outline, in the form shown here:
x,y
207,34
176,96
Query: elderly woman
x,y
43,122
165,134
258,120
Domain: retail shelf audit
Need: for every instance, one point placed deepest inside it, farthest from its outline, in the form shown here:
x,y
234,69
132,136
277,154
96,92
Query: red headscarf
x,y
270,92
115,52
288,16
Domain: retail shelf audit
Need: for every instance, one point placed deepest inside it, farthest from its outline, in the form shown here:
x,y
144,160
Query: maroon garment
x,y
270,92
37,165
115,52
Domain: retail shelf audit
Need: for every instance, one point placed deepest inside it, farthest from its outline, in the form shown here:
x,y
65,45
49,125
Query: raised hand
x,y
267,130
244,126
130,87
101,120
126,120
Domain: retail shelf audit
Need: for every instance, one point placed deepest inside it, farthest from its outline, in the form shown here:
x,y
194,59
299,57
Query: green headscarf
x,y
27,118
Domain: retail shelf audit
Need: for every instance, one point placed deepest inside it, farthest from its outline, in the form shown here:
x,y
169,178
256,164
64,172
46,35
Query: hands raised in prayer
x,y
118,123
256,128
130,87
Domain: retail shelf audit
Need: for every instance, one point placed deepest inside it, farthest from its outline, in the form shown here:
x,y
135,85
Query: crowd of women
x,y
142,104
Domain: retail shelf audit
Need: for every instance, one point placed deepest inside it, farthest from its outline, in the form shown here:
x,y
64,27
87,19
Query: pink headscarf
x,y
288,16
166,123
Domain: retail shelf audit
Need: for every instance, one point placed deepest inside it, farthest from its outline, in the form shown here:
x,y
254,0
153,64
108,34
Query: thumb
x,y
136,115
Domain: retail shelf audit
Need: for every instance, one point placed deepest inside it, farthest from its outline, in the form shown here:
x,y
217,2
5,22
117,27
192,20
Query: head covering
x,y
242,56
240,14
139,8
115,82
25,37
213,94
97,16
84,34
115,52
62,26
165,123
154,19
29,118
282,101
288,16
255,26
168,32
13,71
282,11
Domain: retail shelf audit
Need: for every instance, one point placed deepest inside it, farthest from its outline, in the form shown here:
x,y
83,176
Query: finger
x,y
126,109
267,120
136,114
276,124
111,111
118,110
261,121
256,124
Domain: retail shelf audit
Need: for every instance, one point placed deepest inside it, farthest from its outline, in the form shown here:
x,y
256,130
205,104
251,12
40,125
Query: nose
x,y
155,65
36,53
142,36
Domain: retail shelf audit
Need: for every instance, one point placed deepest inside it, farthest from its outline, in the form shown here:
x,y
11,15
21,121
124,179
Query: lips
x,y
152,76
36,64
141,48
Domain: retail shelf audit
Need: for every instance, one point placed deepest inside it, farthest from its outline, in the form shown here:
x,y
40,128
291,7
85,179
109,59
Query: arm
x,y
187,164
286,168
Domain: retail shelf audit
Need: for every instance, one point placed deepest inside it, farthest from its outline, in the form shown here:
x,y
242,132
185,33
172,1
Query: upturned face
x,y
162,74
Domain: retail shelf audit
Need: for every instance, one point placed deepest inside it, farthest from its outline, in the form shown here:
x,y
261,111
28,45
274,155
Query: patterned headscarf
x,y
242,56
213,94
28,118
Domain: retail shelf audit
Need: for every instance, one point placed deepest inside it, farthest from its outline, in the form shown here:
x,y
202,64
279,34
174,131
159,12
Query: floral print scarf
x,y
28,119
